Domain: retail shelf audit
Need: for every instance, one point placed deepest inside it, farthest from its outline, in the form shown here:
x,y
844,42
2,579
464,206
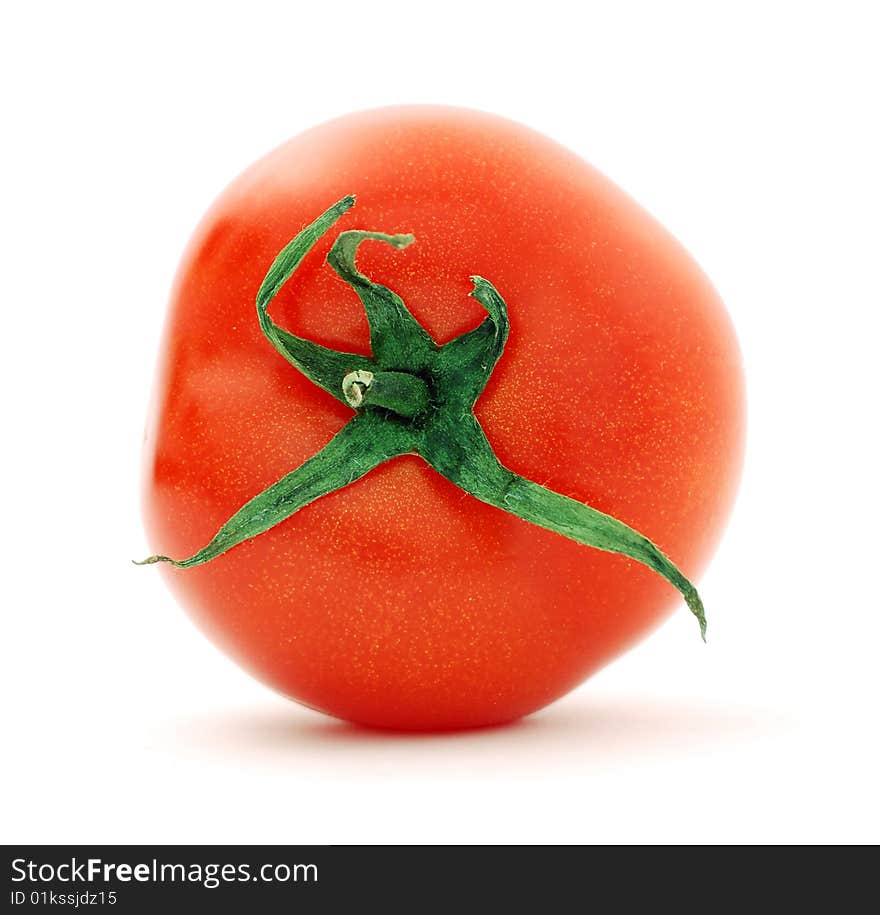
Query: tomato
x,y
400,600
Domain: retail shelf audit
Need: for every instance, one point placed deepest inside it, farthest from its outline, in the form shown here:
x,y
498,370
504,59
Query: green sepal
x,y
325,367
457,448
397,340
466,363
363,443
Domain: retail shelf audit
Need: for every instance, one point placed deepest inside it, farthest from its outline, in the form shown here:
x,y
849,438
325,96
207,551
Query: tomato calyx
x,y
412,396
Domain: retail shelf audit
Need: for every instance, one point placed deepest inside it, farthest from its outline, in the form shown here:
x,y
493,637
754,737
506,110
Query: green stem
x,y
401,393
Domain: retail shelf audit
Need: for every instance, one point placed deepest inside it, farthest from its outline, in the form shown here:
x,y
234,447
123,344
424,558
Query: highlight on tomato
x,y
480,434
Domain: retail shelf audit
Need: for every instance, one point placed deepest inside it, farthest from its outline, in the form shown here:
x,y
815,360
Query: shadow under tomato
x,y
587,731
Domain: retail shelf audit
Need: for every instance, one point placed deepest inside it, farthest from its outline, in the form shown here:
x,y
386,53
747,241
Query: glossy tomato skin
x,y
400,601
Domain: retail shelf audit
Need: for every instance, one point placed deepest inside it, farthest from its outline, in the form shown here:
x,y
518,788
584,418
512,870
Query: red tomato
x,y
401,601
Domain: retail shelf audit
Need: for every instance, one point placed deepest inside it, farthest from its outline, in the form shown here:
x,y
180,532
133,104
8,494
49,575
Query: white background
x,y
749,130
